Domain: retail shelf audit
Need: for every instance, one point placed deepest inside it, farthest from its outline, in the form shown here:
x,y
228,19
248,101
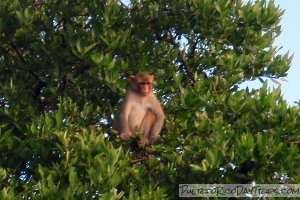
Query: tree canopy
x,y
63,73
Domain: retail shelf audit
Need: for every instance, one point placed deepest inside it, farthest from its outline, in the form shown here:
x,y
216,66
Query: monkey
x,y
141,111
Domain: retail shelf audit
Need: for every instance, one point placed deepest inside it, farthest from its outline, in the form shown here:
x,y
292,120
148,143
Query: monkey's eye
x,y
144,83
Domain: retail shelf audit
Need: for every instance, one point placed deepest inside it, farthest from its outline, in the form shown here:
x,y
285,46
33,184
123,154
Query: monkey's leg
x,y
146,127
115,125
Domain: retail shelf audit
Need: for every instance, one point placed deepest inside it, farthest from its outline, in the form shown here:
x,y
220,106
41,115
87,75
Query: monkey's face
x,y
142,83
144,87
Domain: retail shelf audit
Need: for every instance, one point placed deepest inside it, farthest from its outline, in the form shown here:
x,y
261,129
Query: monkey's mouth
x,y
144,89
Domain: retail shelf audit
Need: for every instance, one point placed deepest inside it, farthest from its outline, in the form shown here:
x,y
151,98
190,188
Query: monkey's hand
x,y
144,141
125,136
152,138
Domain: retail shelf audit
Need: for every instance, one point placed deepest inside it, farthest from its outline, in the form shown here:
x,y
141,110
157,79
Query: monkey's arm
x,y
159,121
124,125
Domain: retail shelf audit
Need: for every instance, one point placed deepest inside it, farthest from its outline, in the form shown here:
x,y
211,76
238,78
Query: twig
x,y
294,142
171,40
138,160
18,52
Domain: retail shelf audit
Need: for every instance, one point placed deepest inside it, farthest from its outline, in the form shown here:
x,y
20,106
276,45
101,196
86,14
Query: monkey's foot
x,y
144,141
124,136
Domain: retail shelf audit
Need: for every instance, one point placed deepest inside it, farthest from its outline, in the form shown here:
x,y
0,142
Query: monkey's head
x,y
141,83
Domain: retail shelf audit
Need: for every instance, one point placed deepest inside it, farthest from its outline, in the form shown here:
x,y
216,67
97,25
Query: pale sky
x,y
289,41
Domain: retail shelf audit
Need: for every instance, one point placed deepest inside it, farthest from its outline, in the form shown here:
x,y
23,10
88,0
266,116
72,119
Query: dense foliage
x,y
63,69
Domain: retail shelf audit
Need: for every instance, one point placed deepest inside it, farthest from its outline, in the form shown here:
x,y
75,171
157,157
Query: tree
x,y
63,71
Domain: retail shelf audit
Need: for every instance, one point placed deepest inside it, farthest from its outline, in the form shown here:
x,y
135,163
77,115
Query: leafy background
x,y
287,41
63,75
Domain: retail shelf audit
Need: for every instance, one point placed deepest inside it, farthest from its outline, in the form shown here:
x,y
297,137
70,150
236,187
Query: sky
x,y
289,40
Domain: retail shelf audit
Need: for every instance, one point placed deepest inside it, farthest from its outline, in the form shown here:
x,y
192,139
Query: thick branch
x,y
41,84
193,49
83,68
185,66
38,89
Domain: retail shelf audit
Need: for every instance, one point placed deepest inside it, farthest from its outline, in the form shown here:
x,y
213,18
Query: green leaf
x,y
89,48
59,117
49,121
3,174
73,180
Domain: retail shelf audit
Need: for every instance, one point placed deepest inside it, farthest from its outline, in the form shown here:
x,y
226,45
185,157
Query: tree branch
x,y
18,52
169,38
138,160
294,142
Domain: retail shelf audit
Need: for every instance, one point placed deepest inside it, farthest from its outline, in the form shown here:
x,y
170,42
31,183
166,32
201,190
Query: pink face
x,y
144,87
142,83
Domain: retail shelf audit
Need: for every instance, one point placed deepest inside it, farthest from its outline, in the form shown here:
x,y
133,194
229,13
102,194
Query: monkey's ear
x,y
131,77
152,77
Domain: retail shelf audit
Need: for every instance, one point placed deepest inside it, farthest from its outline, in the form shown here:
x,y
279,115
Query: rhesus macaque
x,y
141,111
